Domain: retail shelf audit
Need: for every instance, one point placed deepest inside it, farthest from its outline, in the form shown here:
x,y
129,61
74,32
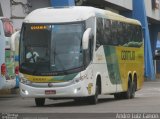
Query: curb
x,y
9,91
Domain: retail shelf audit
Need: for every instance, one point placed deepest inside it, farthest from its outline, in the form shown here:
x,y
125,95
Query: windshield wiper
x,y
72,70
59,72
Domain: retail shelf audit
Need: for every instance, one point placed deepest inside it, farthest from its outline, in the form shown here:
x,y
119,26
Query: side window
x,y
138,32
90,23
104,36
134,37
110,32
91,41
124,33
107,32
137,36
129,32
114,32
120,33
99,31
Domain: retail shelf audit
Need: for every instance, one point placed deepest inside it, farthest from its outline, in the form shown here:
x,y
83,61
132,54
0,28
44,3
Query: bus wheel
x,y
133,89
127,94
39,102
94,99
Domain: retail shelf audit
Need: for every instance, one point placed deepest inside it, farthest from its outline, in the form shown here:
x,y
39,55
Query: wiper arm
x,y
63,70
72,70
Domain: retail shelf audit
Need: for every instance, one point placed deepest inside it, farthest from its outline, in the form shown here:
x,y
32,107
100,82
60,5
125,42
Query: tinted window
x,y
99,36
110,32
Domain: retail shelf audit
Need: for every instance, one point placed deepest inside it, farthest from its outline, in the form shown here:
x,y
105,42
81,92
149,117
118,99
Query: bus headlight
x,y
76,90
77,80
25,91
81,78
25,81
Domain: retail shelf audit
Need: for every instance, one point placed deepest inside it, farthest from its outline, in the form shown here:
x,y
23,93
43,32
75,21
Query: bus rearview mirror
x,y
14,37
85,39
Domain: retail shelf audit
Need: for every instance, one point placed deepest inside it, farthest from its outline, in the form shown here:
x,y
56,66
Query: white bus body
x,y
93,78
7,71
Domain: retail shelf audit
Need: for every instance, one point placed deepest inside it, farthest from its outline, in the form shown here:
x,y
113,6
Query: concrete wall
x,y
18,12
123,3
5,5
152,13
39,4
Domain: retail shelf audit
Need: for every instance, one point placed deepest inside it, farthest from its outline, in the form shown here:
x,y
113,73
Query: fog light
x,y
25,91
76,90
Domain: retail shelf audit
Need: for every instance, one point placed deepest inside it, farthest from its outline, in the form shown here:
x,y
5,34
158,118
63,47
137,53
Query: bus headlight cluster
x,y
25,91
76,90
81,78
25,81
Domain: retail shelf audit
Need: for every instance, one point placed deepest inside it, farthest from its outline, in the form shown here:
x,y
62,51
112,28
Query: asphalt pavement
x,y
147,100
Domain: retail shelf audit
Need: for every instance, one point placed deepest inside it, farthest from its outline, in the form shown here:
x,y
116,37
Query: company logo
x,y
127,55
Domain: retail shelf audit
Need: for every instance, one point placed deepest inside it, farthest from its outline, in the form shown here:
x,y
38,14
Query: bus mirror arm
x,y
14,36
85,39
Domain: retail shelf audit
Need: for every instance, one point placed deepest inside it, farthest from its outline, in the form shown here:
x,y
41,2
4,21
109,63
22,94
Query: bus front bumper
x,y
71,91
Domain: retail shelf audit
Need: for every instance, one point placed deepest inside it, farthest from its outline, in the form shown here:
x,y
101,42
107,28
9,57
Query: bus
x,y
80,53
8,73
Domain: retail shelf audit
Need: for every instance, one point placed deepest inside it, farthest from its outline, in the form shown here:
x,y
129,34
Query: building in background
x,y
147,11
16,10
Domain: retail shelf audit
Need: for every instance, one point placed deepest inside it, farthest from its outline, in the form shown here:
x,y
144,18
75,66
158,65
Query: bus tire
x,y
127,94
39,102
94,99
133,89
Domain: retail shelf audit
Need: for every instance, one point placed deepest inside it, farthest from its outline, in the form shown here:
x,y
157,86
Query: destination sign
x,y
38,27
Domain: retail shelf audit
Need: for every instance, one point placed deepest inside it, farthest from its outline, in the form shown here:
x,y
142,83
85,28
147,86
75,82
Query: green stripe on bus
x,y
112,64
64,77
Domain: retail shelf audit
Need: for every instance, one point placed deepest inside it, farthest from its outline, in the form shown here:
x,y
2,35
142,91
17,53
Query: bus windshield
x,y
47,49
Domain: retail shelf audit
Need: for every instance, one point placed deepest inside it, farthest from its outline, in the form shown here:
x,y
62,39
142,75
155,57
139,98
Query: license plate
x,y
48,92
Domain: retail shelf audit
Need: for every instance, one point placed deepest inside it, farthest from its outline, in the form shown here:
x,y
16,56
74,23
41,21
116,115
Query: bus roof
x,y
72,14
